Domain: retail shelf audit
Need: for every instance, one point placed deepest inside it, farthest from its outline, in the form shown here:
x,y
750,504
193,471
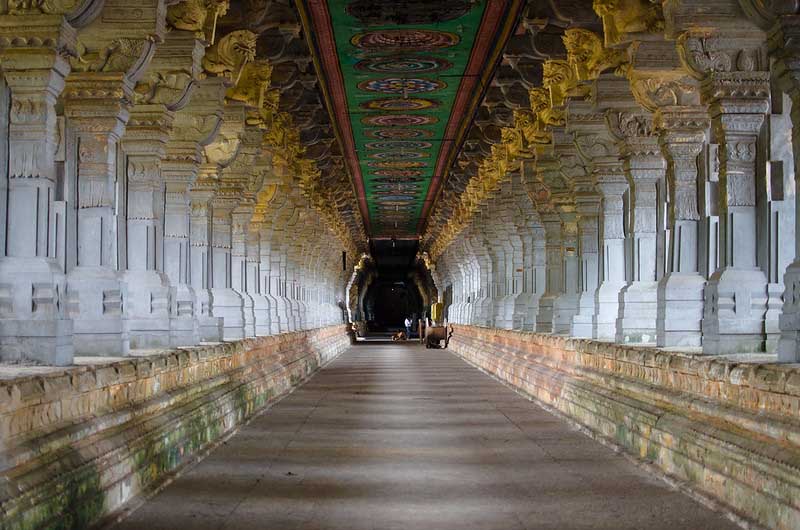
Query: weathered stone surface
x,y
78,445
728,429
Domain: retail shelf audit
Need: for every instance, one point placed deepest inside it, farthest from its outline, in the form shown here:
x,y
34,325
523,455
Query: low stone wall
x,y
77,445
731,430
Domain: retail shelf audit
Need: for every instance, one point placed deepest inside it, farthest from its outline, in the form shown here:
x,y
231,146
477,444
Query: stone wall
x,y
728,429
77,445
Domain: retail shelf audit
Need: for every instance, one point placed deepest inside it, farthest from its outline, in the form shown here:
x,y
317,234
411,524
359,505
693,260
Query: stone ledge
x,y
729,430
81,443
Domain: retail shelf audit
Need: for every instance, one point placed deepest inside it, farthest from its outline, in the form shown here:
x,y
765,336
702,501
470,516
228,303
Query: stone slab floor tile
x,y
399,437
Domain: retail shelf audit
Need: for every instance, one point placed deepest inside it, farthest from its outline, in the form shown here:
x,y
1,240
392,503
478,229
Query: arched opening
x,y
388,302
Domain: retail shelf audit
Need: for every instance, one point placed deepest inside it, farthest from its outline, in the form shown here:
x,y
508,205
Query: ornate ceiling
x,y
402,80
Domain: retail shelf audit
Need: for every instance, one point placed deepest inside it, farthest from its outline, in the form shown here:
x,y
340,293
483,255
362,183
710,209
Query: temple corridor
x,y
397,437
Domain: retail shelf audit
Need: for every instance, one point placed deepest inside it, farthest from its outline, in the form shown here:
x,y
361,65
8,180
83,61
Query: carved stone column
x,y
782,22
736,294
149,290
645,167
553,272
96,107
588,209
680,291
241,227
179,173
612,186
566,305
200,194
34,62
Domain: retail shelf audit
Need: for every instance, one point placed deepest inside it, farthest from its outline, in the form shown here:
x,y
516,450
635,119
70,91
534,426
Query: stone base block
x,y
564,309
184,332
262,316
31,302
101,337
227,304
582,321
45,341
149,333
544,319
210,328
606,310
148,311
736,303
680,310
638,312
94,298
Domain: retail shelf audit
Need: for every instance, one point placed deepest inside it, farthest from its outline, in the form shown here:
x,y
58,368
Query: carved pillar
x,y
96,107
736,294
240,228
200,194
149,290
781,21
225,301
588,209
645,167
553,272
612,186
680,291
566,305
34,62
179,173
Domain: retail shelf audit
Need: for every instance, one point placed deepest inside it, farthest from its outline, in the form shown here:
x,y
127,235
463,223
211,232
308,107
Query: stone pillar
x,y
179,173
736,294
225,302
201,193
253,281
645,167
149,290
96,107
240,228
680,291
588,208
268,285
782,21
566,305
612,186
553,272
33,324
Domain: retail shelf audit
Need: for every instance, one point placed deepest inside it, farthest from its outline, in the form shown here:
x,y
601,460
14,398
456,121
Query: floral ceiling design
x,y
402,79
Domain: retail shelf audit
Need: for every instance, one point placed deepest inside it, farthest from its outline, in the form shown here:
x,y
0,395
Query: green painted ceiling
x,y
400,85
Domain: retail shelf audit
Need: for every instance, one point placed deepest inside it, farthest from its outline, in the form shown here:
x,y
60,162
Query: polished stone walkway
x,y
399,437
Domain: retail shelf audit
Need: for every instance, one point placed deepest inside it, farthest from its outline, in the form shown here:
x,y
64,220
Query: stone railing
x,y
78,445
730,430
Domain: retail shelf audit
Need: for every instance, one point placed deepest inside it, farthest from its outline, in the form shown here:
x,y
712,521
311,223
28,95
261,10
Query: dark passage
x,y
399,437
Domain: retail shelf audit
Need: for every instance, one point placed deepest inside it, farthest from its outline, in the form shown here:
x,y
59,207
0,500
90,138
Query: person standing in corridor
x,y
408,327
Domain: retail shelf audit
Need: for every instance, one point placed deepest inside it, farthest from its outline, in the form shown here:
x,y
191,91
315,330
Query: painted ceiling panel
x,y
402,80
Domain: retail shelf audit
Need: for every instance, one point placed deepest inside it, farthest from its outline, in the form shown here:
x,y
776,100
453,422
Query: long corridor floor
x,y
399,437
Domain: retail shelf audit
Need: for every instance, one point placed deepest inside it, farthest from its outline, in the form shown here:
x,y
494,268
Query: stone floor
x,y
399,437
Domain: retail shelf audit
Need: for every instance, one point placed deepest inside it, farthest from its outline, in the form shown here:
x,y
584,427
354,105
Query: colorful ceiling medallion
x,y
403,64
399,120
400,155
394,164
413,12
399,104
398,145
402,206
398,85
398,134
396,187
403,39
397,175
